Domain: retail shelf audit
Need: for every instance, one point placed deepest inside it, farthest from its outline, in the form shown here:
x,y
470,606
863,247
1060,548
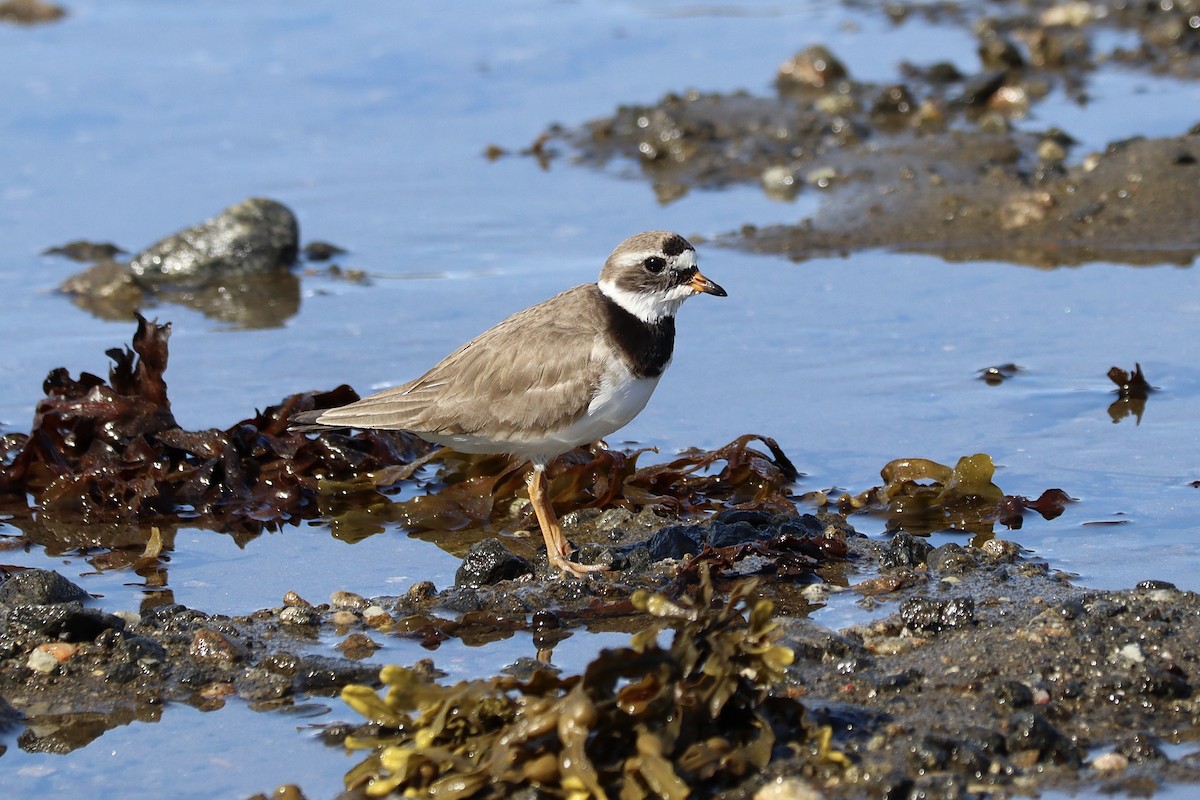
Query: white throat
x,y
649,307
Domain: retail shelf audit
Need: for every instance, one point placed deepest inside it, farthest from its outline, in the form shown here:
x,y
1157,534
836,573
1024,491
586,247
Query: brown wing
x,y
535,370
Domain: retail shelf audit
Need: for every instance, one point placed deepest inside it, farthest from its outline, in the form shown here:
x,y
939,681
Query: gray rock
x,y
256,236
39,587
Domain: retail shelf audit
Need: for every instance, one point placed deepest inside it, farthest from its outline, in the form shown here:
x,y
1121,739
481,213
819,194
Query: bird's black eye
x,y
655,264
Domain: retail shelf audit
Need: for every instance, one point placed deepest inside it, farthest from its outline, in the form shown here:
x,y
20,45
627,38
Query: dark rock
x,y
526,667
1070,609
759,519
257,685
930,753
1140,748
984,740
323,675
811,642
675,541
39,587
143,651
1014,694
979,89
1103,608
1153,585
68,622
728,534
1161,683
85,251
899,680
595,553
321,251
300,616
805,525
123,672
905,551
1030,730
462,599
9,716
930,616
283,662
252,237
488,562
174,617
893,100
194,675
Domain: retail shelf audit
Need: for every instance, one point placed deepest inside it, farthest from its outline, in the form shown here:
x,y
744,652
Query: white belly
x,y
620,399
612,409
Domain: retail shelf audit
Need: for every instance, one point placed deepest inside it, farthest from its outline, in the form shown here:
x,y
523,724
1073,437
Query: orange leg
x,y
557,546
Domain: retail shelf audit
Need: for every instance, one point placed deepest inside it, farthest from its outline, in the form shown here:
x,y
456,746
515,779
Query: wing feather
x,y
534,371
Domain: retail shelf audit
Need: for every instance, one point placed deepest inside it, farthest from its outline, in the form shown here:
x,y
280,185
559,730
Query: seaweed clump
x,y
922,496
642,721
112,450
1133,390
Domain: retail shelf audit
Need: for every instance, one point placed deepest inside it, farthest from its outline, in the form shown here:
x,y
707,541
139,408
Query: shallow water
x,y
131,120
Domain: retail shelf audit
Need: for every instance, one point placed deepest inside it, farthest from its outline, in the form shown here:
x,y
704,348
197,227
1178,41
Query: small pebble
x,y
1110,762
41,661
1132,652
343,618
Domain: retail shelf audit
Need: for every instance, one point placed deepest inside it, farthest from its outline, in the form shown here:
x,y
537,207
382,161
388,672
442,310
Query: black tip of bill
x,y
701,284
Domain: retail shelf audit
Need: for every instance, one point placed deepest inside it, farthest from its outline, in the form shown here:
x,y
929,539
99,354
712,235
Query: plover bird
x,y
560,374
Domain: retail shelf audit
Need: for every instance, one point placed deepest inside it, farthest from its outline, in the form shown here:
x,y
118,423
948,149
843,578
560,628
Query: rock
x,y
298,615
905,551
927,615
9,716
952,559
813,67
321,674
727,534
488,562
349,601
214,647
85,252
30,12
1031,731
675,542
39,587
68,622
252,237
258,684
357,646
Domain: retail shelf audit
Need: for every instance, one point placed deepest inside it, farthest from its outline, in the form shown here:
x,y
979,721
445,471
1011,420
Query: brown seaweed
x,y
1132,392
642,721
922,496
